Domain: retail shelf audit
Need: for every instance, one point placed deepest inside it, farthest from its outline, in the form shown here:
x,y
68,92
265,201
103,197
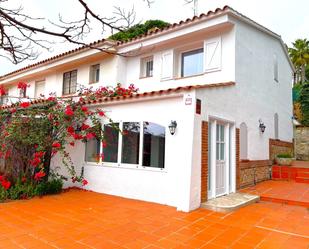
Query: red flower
x,y
84,127
101,113
39,154
104,144
22,85
51,98
2,91
35,161
5,184
84,109
77,136
24,104
72,144
84,182
23,179
74,179
69,111
39,175
56,145
13,110
70,129
90,136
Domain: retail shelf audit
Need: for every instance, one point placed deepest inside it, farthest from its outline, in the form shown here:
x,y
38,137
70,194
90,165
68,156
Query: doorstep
x,y
231,202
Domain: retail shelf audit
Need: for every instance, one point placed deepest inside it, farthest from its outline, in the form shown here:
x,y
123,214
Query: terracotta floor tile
x,y
103,221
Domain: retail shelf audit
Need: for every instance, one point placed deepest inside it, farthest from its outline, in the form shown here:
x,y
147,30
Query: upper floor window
x,y
147,67
192,62
70,82
276,69
94,74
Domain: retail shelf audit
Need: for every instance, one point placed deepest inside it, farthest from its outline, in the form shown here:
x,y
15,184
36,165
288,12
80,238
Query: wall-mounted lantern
x,y
172,127
262,126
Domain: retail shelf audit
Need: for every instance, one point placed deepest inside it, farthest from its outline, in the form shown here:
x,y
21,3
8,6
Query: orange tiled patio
x,y
79,219
289,192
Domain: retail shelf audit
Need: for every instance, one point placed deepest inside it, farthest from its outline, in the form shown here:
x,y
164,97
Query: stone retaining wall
x,y
302,143
252,172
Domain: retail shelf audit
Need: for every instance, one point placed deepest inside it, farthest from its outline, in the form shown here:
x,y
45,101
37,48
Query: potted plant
x,y
284,159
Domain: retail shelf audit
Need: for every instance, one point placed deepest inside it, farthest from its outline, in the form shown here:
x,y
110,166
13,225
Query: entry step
x,y
231,202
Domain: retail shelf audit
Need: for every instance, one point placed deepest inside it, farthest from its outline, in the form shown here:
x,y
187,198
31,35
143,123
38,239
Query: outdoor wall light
x,y
262,126
172,127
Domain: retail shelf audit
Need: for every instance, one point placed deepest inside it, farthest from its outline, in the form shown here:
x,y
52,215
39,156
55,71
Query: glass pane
x,y
222,133
111,136
130,142
153,145
92,150
149,68
217,151
97,75
222,150
192,62
217,133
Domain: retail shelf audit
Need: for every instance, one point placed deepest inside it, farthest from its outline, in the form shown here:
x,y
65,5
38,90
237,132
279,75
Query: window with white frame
x,y
39,88
94,76
70,82
192,62
146,67
139,144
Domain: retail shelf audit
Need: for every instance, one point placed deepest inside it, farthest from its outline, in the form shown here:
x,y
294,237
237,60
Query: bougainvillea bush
x,y
32,132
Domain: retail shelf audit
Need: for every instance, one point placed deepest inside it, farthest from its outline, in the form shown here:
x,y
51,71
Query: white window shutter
x,y
167,65
212,48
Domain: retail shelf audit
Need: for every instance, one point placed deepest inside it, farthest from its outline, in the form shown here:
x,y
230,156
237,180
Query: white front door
x,y
221,166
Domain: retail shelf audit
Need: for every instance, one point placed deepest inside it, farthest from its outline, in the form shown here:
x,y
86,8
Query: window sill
x,y
124,166
187,77
145,77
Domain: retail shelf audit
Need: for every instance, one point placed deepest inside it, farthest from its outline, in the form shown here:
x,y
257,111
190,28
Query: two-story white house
x,y
221,77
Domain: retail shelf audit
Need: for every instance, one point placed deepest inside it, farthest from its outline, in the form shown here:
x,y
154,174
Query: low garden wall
x,y
277,147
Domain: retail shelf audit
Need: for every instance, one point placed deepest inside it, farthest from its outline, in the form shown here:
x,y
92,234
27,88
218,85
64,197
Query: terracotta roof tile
x,y
95,43
159,92
138,95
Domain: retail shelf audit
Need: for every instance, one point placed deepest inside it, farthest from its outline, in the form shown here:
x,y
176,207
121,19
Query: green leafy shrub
x,y
138,29
304,103
284,155
51,187
21,191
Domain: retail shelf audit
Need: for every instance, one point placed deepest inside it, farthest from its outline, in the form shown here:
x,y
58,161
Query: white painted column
x,y
227,157
213,159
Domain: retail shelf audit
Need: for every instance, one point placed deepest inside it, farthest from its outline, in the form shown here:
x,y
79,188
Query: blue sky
x,y
285,17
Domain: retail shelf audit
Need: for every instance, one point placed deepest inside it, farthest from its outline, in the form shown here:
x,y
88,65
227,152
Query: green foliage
x,y
286,155
51,187
26,190
296,92
138,29
299,55
304,103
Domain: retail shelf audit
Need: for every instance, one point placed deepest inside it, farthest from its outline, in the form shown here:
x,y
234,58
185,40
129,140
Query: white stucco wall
x,y
169,186
259,95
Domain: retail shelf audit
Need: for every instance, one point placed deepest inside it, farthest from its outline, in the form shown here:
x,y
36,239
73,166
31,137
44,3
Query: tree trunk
x,y
303,71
